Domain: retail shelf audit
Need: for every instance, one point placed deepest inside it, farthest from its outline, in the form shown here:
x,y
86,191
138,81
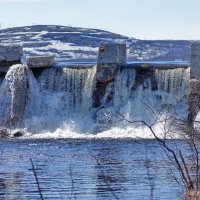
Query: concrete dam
x,y
42,96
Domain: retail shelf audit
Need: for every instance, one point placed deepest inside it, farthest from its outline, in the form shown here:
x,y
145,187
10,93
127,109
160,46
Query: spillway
x,y
63,98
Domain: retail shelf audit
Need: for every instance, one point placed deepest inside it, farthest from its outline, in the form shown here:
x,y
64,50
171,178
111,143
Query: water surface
x,y
85,169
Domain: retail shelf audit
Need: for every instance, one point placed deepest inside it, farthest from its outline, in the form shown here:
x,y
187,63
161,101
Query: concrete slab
x,y
195,61
40,61
10,52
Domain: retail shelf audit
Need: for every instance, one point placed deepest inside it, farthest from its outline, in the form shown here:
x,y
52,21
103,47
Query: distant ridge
x,y
81,44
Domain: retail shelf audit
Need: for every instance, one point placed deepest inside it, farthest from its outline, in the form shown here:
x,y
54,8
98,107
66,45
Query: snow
x,y
60,39
98,33
38,36
98,38
34,51
42,32
60,46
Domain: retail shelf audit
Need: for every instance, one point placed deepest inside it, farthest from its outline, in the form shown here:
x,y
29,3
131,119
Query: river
x,y
86,169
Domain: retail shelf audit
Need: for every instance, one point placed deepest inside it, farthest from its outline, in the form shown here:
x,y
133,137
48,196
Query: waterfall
x,y
172,84
63,96
123,86
71,87
13,92
137,94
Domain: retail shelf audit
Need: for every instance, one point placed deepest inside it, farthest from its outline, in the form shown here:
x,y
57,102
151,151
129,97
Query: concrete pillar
x,y
194,88
112,53
110,58
10,54
40,61
195,61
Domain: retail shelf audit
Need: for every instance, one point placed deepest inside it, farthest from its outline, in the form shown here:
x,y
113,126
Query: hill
x,y
81,44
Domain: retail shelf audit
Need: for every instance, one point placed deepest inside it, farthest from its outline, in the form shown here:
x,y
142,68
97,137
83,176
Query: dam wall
x,y
110,71
90,94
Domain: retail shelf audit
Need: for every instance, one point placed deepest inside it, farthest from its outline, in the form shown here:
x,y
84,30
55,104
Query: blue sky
x,y
143,19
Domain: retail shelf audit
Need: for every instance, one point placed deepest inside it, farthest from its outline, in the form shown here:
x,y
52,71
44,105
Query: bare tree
x,y
184,158
36,178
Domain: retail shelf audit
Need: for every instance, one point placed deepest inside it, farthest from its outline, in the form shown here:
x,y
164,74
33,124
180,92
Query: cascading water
x,y
13,93
59,101
63,98
158,89
172,85
123,86
142,95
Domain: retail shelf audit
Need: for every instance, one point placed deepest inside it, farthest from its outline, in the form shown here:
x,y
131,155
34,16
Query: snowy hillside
x,y
81,44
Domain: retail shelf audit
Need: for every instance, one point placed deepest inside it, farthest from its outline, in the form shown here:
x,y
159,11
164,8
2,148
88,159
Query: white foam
x,y
61,46
128,132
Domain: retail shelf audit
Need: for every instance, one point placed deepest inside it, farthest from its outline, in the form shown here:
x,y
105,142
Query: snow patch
x,y
38,36
60,46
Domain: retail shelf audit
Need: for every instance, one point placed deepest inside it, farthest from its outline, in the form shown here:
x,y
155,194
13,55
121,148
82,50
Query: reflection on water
x,y
85,169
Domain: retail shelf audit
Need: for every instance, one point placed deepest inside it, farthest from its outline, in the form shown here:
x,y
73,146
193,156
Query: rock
x,y
9,53
4,133
18,134
105,75
106,72
40,61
